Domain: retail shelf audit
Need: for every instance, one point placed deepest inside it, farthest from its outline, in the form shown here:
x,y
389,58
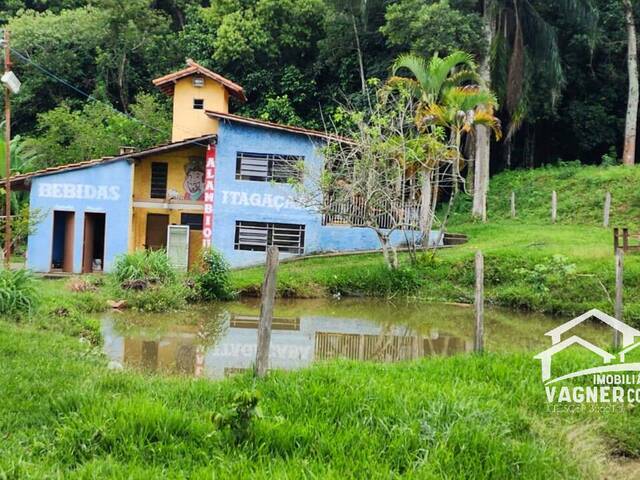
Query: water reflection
x,y
218,341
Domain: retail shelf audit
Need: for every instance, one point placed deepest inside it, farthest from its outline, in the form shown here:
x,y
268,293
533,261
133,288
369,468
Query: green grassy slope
x,y
581,191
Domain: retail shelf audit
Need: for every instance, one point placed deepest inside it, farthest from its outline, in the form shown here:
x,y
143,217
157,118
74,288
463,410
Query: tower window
x,y
198,103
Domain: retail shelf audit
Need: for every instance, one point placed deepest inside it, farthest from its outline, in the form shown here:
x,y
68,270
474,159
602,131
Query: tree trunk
x,y
425,206
363,80
483,134
629,153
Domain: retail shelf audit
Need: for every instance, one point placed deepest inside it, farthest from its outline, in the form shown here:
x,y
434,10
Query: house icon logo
x,y
611,363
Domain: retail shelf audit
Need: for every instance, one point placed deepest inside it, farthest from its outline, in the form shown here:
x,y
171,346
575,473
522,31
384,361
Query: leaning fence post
x,y
478,345
554,206
619,288
266,312
607,209
513,204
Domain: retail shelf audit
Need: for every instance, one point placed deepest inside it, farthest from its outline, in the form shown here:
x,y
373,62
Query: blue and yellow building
x,y
95,210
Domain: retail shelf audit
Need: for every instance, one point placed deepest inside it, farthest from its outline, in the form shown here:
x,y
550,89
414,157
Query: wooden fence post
x,y
607,209
513,204
266,312
554,206
619,287
478,345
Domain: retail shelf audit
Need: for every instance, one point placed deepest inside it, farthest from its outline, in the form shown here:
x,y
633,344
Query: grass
x,y
564,269
463,417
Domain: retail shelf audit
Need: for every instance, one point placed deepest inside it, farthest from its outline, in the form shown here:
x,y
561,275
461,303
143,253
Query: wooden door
x,y
87,250
67,265
157,231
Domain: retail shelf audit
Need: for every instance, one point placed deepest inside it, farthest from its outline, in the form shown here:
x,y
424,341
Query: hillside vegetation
x,y
581,192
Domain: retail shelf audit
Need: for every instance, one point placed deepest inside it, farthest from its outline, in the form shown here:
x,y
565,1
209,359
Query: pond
x,y
220,340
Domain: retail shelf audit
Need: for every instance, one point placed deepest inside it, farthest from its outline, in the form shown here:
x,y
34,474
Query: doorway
x,y
93,248
157,231
62,244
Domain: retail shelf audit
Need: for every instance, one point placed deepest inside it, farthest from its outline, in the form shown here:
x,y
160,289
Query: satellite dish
x,y
11,82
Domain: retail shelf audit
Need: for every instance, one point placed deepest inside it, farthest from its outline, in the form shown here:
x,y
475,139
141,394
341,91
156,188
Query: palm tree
x,y
443,100
525,42
23,159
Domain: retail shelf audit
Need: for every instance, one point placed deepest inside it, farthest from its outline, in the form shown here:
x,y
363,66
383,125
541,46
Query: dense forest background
x,y
84,63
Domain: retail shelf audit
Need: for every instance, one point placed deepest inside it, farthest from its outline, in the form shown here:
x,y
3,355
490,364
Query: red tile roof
x,y
167,82
19,180
277,126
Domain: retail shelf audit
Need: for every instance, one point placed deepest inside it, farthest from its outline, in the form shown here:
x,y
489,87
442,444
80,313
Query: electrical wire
x,y
89,96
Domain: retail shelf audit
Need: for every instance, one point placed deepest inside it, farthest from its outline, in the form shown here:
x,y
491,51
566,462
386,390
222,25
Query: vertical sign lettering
x,y
209,179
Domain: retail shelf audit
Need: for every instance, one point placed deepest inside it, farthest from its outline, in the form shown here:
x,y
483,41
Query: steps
x,y
454,238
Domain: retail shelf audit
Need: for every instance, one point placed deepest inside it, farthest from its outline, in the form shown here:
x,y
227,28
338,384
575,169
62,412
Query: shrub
x,y
18,295
144,266
212,281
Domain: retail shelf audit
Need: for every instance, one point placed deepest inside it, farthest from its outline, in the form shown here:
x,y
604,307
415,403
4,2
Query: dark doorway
x,y
93,249
62,244
157,231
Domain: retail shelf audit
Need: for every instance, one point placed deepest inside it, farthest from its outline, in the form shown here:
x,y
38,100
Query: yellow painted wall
x,y
190,123
177,160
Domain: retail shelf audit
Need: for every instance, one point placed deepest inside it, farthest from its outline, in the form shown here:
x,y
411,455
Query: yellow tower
x,y
195,90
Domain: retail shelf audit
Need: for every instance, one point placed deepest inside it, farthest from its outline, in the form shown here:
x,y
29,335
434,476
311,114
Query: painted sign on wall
x,y
194,179
209,180
79,191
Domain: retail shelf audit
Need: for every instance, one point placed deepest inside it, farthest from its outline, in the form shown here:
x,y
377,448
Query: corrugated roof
x,y
277,126
167,82
18,180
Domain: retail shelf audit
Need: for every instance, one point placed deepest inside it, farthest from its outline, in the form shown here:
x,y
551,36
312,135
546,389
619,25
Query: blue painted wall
x,y
104,188
273,202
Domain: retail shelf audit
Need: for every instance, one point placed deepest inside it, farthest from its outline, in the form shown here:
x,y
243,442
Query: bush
x,y
18,295
212,281
144,266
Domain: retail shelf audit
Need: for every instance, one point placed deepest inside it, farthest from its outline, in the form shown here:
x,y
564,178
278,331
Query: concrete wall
x,y
190,123
102,188
273,202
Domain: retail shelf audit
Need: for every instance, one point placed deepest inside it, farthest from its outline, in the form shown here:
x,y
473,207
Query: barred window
x,y
159,179
194,220
257,236
268,167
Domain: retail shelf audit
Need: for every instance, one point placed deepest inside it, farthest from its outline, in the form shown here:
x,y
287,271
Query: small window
x,y
198,82
267,167
159,179
257,236
194,220
198,104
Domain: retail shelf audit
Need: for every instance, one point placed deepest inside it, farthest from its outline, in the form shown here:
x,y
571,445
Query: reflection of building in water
x,y
295,343
388,348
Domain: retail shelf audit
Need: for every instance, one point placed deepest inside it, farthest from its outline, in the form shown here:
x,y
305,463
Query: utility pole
x,y
7,154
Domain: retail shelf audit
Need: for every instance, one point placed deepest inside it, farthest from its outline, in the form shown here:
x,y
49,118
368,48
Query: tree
x,y
629,152
526,42
432,81
68,136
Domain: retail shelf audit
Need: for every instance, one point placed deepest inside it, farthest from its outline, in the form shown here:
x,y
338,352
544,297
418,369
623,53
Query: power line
x,y
89,96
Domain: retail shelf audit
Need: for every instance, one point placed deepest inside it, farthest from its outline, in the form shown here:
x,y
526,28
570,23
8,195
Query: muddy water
x,y
220,340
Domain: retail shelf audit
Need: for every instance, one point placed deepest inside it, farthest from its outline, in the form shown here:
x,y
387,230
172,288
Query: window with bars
x,y
257,236
268,167
159,179
194,220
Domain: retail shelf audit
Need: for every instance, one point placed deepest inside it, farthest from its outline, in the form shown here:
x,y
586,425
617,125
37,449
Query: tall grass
x,y
144,265
18,295
465,417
